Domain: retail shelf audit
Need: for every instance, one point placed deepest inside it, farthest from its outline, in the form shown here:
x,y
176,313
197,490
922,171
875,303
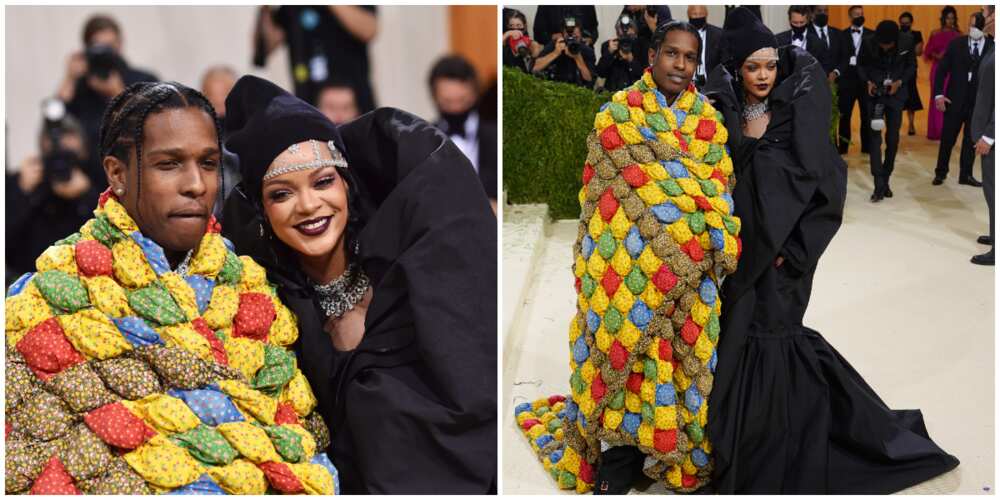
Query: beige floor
x,y
895,293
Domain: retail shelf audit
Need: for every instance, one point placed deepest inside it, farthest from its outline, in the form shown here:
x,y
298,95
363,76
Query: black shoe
x,y
911,132
887,193
876,197
985,259
970,181
984,240
938,181
619,468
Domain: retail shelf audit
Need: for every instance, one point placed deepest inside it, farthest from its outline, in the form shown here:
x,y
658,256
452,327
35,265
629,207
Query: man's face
x,y
697,11
797,20
675,62
338,104
454,96
856,12
107,37
905,23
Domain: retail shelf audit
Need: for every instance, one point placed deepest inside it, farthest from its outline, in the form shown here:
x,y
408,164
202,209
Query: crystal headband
x,y
337,160
770,54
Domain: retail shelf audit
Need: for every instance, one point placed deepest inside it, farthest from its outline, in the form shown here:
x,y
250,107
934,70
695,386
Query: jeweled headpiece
x,y
337,160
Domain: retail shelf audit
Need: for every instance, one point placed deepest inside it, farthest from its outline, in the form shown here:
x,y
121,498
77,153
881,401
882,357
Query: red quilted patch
x,y
688,481
598,388
694,250
586,472
285,414
680,138
690,331
218,351
703,203
118,427
281,477
54,480
608,205
578,284
531,422
664,279
104,197
666,350
611,281
634,382
93,259
705,130
46,349
665,440
634,98
717,175
618,355
610,138
556,399
588,173
213,225
634,176
254,316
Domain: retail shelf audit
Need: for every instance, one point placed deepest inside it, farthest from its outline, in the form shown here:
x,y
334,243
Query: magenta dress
x,y
937,44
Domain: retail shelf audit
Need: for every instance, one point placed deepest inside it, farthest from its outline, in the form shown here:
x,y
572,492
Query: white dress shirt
x,y
469,144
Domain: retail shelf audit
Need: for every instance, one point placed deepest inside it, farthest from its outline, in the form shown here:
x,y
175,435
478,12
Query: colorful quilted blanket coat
x,y
657,235
124,377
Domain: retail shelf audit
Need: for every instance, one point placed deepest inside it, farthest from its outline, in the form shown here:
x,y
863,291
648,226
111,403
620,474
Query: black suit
x,y
959,64
876,66
829,53
713,51
486,137
851,89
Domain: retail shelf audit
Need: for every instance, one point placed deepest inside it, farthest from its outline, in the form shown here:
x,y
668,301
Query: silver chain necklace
x,y
755,111
343,293
182,268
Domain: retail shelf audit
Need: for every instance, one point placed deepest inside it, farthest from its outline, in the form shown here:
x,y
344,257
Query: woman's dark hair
x,y
948,9
661,32
99,22
512,14
122,127
906,15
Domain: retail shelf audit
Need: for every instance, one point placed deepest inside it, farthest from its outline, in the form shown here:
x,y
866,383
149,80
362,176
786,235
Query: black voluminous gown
x,y
789,413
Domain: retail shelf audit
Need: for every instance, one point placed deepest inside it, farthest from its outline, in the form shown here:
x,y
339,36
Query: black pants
x,y
882,167
959,120
989,179
850,91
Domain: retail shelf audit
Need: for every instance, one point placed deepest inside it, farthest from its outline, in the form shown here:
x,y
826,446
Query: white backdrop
x,y
180,42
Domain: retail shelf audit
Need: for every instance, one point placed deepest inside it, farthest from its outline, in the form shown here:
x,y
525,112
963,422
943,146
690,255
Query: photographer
x,y
567,58
50,196
519,49
93,77
886,70
621,58
549,21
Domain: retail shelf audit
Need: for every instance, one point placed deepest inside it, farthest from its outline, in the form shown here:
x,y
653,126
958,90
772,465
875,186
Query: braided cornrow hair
x,y
122,126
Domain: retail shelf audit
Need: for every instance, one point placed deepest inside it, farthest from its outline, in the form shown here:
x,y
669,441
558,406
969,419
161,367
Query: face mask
x,y
697,22
858,21
455,121
975,33
905,28
820,20
798,31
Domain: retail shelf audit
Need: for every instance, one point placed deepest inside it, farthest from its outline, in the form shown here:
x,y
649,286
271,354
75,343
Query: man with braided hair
x,y
144,356
656,237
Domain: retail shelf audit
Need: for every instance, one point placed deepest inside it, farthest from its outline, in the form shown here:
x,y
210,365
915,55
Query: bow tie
x,y
798,37
856,30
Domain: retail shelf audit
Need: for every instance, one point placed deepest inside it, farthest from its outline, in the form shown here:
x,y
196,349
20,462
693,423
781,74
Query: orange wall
x,y
474,36
925,20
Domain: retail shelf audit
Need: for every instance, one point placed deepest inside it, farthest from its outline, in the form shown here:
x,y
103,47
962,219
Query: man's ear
x,y
115,171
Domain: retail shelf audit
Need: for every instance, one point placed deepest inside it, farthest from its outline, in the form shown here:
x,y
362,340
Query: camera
x,y
878,109
520,45
626,41
57,162
572,41
102,60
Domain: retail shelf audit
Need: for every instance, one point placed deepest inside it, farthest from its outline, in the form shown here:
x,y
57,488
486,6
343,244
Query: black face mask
x,y
820,20
455,121
697,22
905,28
858,21
798,31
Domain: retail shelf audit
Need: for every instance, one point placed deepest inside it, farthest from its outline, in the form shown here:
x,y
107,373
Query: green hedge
x,y
545,127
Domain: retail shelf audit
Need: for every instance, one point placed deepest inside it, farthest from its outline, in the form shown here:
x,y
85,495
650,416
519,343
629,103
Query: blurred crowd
x,y
330,68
